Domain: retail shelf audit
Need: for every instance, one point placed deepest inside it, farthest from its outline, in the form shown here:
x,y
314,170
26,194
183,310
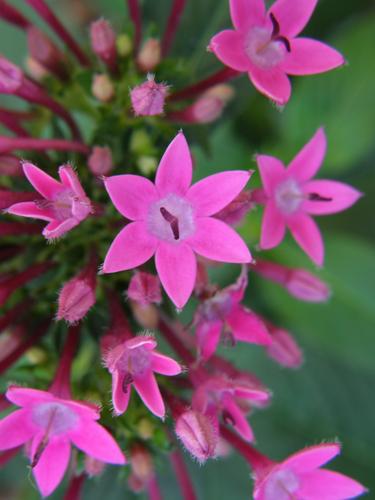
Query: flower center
x,y
282,485
54,418
171,219
288,196
134,362
217,308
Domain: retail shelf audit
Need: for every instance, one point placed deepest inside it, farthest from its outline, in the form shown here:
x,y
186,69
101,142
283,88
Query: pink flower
x,y
172,221
292,197
224,314
65,203
284,349
264,45
300,476
148,98
51,425
133,362
144,288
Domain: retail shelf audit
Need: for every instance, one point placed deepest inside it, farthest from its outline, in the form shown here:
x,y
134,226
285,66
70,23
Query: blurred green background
x,y
332,396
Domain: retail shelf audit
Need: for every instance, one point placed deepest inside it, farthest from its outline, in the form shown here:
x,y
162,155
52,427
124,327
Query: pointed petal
x,y
131,195
228,47
273,227
175,169
329,485
247,327
132,247
312,457
22,396
164,364
309,57
240,422
46,185
246,13
70,180
52,465
15,429
215,240
56,229
273,83
293,16
307,234
215,192
30,209
339,197
308,161
97,442
208,337
177,268
120,398
149,392
272,172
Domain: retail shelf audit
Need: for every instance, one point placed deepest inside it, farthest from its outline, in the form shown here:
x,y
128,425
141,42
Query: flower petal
x,y
177,268
217,241
309,57
272,172
70,180
132,247
273,83
97,442
175,169
246,13
149,392
131,195
273,227
120,398
311,458
208,337
52,465
308,161
228,47
339,197
307,234
164,364
56,229
30,209
15,430
293,16
240,422
22,396
215,192
46,185
329,485
247,327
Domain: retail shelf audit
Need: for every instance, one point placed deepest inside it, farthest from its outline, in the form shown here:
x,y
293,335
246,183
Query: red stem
x,y
11,122
18,228
13,16
172,25
174,341
135,16
8,144
61,383
75,488
13,314
5,456
153,490
182,475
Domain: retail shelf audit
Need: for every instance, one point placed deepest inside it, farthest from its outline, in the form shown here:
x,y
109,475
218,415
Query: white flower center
x,y
282,485
288,196
54,418
135,362
171,219
262,50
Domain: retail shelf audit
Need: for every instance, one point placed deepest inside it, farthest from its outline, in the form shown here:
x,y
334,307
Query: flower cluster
x,y
125,223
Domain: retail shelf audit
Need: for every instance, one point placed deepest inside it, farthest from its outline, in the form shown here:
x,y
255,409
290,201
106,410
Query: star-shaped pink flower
x,y
51,425
264,45
65,203
173,220
292,197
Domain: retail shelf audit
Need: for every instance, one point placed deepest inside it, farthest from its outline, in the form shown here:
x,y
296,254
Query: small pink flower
x,y
144,288
284,349
148,98
264,45
300,476
292,197
51,425
172,221
134,362
65,203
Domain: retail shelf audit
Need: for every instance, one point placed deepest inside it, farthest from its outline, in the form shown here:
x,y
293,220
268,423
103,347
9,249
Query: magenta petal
x,y
338,197
309,57
329,485
308,161
175,169
120,398
208,337
273,227
215,240
272,172
131,195
307,234
46,185
15,430
215,192
52,465
240,422
30,209
70,180
247,327
273,83
229,47
312,457
246,13
293,16
132,247
56,229
149,392
177,268
22,396
164,364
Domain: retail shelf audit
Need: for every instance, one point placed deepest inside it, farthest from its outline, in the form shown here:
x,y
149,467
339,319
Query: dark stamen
x,y
41,447
275,26
317,197
173,221
128,379
285,41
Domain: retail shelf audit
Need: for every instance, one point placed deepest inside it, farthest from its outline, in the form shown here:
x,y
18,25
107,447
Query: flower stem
x,y
61,384
13,16
172,25
182,476
176,344
75,488
8,144
135,15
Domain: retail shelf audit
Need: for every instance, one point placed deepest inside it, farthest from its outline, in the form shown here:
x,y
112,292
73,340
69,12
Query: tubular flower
x,y
264,45
52,425
65,204
172,221
292,197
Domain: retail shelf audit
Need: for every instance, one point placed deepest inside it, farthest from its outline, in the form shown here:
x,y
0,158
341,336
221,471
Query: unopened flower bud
x,y
147,165
284,348
141,463
198,434
222,91
145,428
150,55
102,88
124,45
148,98
146,316
11,77
305,286
103,42
140,142
44,52
235,212
35,69
144,288
93,467
100,161
10,165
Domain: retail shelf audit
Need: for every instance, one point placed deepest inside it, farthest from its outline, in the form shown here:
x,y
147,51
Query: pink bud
x,y
45,52
103,42
305,286
11,77
148,98
93,467
235,212
100,160
102,88
198,434
284,348
10,165
150,55
144,288
141,463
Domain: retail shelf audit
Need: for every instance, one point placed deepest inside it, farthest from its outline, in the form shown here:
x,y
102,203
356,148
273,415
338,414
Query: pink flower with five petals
x,y
173,220
292,197
264,45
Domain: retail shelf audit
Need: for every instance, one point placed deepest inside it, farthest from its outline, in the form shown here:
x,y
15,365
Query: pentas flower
x,y
133,362
264,45
173,221
300,476
223,314
292,197
51,425
65,204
